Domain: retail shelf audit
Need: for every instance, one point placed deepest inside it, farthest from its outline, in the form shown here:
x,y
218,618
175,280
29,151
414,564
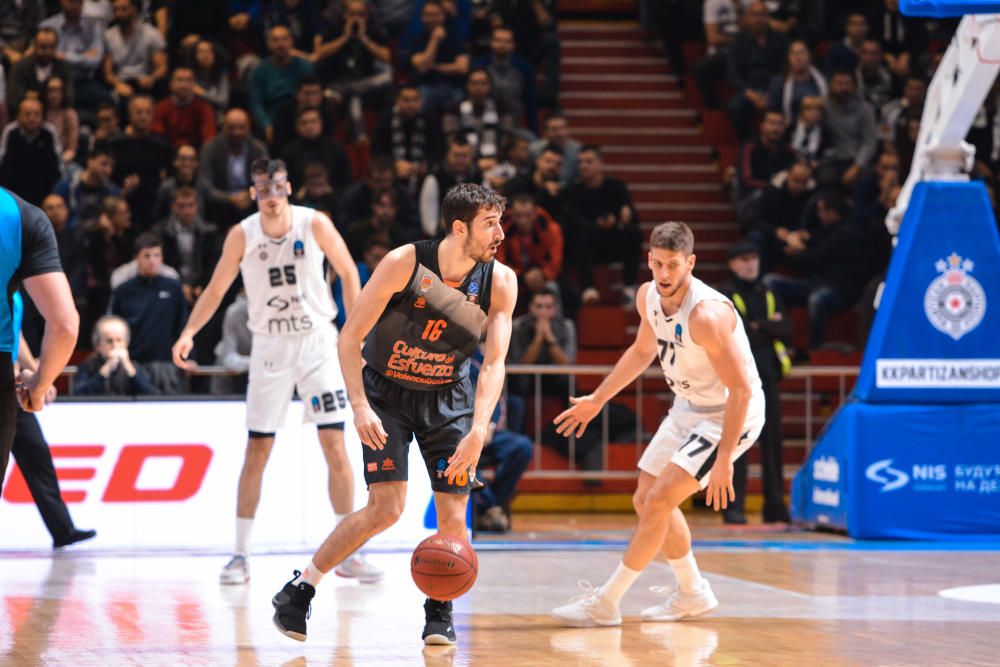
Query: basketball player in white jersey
x,y
280,252
717,414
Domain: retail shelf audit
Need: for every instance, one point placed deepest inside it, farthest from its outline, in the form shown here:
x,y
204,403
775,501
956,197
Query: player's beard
x,y
480,252
674,287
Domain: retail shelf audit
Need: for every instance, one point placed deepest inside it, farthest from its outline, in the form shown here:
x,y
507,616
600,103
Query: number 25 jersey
x,y
287,290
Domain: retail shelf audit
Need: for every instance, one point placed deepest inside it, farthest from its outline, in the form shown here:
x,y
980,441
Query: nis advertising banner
x,y
164,474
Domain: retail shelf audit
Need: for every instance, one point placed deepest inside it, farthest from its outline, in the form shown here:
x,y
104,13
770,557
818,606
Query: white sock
x,y
243,527
686,570
619,583
312,575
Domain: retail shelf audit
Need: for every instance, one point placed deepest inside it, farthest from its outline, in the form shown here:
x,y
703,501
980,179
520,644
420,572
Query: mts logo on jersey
x,y
130,476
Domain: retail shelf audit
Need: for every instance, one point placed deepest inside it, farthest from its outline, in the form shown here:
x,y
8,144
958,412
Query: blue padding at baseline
x,y
924,472
946,8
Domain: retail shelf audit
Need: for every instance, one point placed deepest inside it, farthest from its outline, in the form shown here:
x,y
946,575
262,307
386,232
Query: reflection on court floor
x,y
780,606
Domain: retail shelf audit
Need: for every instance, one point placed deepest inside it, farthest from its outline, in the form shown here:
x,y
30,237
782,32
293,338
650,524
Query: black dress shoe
x,y
734,517
76,535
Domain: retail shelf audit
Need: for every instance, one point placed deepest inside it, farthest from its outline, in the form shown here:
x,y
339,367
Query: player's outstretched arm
x,y
332,244
491,375
712,324
391,276
633,361
223,276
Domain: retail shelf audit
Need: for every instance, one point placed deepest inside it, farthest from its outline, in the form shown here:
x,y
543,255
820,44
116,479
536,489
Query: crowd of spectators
x,y
825,99
133,123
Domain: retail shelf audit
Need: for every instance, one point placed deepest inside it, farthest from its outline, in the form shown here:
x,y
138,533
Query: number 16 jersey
x,y
285,281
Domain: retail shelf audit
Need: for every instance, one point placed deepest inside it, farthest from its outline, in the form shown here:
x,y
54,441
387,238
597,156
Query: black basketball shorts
x,y
438,418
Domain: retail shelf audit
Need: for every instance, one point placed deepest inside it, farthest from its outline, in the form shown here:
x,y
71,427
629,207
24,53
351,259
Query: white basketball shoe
x,y
680,605
588,610
236,571
356,567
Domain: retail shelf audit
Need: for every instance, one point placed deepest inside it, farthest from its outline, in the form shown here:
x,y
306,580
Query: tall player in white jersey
x,y
717,414
280,252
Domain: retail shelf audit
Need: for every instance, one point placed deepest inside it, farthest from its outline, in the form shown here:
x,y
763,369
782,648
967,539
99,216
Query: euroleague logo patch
x,y
955,302
426,283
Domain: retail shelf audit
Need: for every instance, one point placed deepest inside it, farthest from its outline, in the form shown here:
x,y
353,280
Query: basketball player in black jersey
x,y
429,303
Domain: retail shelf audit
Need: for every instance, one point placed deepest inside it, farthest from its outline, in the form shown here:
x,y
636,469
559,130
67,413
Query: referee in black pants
x,y
29,256
31,451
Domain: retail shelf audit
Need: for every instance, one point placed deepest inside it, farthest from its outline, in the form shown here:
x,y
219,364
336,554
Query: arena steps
x,y
619,92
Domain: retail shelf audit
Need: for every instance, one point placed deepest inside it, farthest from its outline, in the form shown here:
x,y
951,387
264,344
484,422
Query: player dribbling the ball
x,y
421,317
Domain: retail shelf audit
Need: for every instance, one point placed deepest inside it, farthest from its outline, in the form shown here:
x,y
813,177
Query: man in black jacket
x,y
111,371
827,254
755,55
153,306
31,72
313,144
190,244
766,324
30,162
780,211
603,225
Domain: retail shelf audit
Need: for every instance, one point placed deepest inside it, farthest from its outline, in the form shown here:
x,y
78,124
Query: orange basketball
x,y
444,566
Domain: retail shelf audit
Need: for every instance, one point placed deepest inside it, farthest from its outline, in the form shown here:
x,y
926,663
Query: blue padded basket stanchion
x,y
946,8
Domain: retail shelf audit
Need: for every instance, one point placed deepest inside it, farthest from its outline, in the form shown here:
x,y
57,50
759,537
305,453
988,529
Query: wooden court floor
x,y
786,599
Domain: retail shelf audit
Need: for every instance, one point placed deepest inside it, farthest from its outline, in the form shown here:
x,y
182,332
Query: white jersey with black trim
x,y
686,366
286,286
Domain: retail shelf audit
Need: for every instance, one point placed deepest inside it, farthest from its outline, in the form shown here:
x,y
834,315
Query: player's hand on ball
x,y
720,492
181,350
369,427
574,420
466,455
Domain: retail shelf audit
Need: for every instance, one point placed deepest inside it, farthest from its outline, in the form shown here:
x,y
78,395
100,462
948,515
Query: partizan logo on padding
x,y
955,302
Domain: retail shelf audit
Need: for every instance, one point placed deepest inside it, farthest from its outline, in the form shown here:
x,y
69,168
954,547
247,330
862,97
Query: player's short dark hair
x,y
465,200
592,148
147,240
267,167
673,236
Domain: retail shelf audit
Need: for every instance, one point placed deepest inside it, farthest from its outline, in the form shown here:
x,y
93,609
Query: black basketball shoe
x,y
292,608
438,628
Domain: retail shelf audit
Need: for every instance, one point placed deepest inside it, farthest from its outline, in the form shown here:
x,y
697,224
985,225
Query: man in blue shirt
x,y
29,255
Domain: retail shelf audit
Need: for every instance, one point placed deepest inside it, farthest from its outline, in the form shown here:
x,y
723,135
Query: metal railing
x,y
808,375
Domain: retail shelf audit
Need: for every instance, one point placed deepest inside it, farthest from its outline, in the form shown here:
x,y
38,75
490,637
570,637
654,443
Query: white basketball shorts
x,y
689,437
308,362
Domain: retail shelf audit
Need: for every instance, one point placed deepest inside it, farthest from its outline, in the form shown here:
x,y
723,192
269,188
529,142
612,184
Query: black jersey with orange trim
x,y
428,330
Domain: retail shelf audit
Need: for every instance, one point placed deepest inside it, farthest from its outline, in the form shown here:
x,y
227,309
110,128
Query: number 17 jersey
x,y
285,280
